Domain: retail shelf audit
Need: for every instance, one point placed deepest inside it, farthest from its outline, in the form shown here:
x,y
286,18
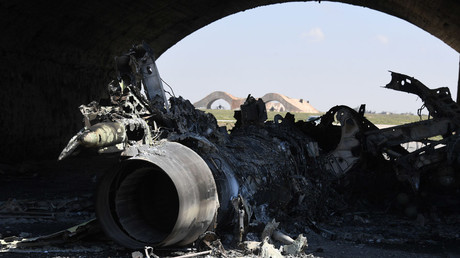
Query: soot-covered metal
x,y
181,175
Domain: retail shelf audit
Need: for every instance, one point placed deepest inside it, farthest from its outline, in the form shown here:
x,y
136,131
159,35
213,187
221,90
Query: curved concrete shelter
x,y
59,54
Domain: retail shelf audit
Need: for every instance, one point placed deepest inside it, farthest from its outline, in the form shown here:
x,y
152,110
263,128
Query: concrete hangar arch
x,y
59,54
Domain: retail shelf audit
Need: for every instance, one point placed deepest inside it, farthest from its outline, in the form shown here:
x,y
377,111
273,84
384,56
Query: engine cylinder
x,y
166,195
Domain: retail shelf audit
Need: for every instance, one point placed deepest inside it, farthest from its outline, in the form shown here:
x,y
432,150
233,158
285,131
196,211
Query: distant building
x,y
274,106
273,101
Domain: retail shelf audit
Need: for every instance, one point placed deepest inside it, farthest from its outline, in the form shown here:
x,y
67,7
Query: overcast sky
x,y
327,53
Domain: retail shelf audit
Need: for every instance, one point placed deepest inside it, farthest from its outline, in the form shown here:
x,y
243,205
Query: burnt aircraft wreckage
x,y
181,175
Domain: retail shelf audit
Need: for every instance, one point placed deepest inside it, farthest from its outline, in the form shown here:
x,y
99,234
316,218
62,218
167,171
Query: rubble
x,y
296,247
181,180
269,251
241,169
137,254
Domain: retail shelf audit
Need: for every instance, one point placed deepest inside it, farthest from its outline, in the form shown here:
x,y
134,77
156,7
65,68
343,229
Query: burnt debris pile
x,y
181,178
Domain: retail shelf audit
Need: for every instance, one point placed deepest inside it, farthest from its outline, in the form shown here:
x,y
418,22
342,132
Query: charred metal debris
x,y
181,177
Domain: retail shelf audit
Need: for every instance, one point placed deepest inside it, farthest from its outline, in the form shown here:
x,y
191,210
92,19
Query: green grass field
x,y
226,117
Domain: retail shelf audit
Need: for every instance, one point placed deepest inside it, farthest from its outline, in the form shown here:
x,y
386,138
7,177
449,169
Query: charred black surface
x,y
178,177
259,171
57,55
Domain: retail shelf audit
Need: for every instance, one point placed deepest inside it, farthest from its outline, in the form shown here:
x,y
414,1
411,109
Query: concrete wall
x,y
57,55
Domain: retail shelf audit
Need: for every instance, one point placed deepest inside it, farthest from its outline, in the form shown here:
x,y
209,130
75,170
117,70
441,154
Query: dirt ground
x,y
42,198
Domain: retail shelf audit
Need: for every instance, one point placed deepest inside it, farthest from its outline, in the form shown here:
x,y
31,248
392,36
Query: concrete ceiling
x,y
58,54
